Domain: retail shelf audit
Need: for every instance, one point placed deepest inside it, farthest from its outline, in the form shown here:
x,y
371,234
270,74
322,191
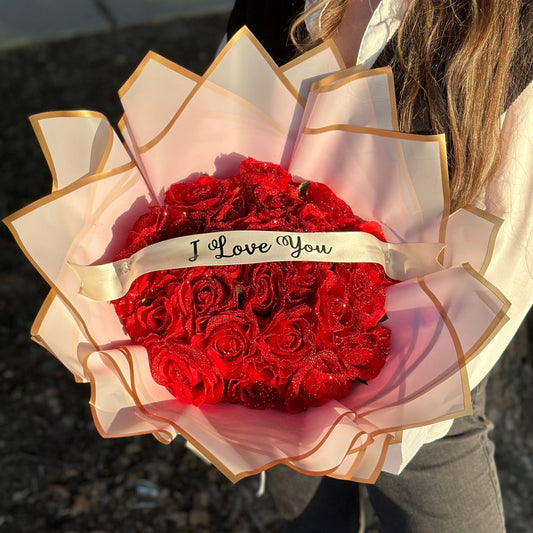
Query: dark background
x,y
56,472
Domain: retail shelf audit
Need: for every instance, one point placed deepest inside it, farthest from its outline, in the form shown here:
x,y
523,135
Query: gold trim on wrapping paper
x,y
312,450
107,151
215,88
243,32
53,286
440,139
351,73
152,56
45,307
360,456
123,125
398,437
247,105
9,222
493,328
127,388
461,359
379,132
452,416
445,187
329,44
405,176
161,135
497,223
35,122
37,323
41,342
446,319
286,460
339,79
499,320
36,326
379,465
133,151
337,54
132,392
82,182
289,461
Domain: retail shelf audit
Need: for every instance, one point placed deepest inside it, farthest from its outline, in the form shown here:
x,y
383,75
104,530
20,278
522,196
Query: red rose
x,y
256,395
281,222
150,320
336,210
367,282
260,389
186,372
205,292
320,380
371,227
201,199
146,310
252,173
314,219
337,310
227,341
347,303
365,355
234,213
238,272
288,339
161,223
302,280
277,200
266,288
145,232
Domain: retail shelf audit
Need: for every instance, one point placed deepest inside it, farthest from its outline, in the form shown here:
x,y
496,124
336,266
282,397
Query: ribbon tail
x,y
412,260
101,282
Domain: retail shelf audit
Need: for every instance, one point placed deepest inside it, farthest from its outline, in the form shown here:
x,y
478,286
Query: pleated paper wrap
x,y
320,123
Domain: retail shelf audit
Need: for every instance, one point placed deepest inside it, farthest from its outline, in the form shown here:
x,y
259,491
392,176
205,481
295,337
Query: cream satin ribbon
x,y
400,261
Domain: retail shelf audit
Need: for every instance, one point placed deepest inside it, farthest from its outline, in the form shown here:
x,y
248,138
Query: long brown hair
x,y
457,55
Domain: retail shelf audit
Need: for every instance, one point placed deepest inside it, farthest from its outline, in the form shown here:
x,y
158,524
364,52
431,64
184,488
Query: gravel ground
x,y
58,474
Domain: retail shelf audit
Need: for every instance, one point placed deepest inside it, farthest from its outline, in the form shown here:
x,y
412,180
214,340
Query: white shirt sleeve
x,y
510,197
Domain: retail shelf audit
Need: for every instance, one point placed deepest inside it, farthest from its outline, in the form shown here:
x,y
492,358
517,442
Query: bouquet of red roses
x,y
291,334
272,321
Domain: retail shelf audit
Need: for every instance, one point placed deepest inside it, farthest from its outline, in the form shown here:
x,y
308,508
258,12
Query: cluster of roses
x,y
288,335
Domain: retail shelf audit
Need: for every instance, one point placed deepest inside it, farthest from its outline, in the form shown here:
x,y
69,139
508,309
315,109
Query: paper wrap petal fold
x,y
320,123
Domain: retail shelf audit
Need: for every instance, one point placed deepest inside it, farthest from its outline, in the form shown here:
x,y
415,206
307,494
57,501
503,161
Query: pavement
x,y
25,22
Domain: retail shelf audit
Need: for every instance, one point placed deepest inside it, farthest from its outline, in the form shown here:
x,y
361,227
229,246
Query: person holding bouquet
x,y
372,227
463,68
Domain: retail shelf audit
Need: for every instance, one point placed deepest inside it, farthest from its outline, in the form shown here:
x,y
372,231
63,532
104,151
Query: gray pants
x,y
451,486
